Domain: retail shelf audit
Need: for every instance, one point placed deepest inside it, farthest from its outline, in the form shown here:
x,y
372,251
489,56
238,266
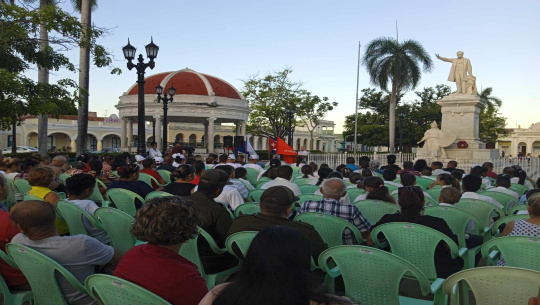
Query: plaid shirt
x,y
241,187
347,212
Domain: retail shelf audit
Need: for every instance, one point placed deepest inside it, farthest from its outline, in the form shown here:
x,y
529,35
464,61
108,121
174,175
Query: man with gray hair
x,y
332,190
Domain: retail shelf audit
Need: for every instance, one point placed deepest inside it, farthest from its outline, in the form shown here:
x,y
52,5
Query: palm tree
x,y
490,101
388,60
43,77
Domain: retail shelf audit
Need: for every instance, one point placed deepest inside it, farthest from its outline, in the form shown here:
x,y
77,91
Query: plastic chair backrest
x,y
165,174
507,201
255,195
190,250
10,200
519,188
148,179
302,181
496,285
330,228
31,197
307,197
308,189
263,180
40,271
435,192
252,175
16,297
247,209
157,194
73,215
503,221
414,243
456,219
117,225
240,242
521,207
479,208
96,196
374,210
355,192
124,200
114,290
371,276
518,251
391,187
64,177
423,182
22,185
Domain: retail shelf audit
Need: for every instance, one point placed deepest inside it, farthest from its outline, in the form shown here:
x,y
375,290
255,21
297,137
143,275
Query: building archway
x,y
111,140
59,141
179,138
522,148
192,138
32,139
298,144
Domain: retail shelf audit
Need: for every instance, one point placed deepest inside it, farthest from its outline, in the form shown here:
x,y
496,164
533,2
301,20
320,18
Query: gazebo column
x,y
205,123
159,126
243,128
256,143
123,135
238,128
210,134
130,134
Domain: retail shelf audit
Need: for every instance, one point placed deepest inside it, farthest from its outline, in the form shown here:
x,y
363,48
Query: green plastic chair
x,y
507,201
31,197
330,228
22,185
117,225
416,244
238,243
307,189
423,182
481,209
10,200
391,187
495,232
302,181
247,209
96,196
307,197
263,180
73,215
255,195
518,251
434,192
372,276
40,271
17,297
519,188
124,200
521,207
190,252
64,177
355,192
149,179
457,220
374,210
157,194
252,175
165,174
116,291
495,285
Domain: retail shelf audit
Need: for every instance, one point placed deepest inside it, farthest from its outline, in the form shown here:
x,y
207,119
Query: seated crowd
x,y
194,195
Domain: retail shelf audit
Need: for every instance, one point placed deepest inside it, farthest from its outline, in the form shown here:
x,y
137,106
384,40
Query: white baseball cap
x,y
139,158
475,165
231,157
256,157
158,159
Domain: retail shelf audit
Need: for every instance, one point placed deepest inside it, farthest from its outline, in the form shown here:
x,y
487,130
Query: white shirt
x,y
472,195
439,171
281,181
393,183
313,181
504,190
10,175
235,165
527,183
154,153
361,197
230,197
254,166
303,152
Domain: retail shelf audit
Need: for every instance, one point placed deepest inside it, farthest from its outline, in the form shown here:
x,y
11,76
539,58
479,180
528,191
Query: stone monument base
x,y
480,154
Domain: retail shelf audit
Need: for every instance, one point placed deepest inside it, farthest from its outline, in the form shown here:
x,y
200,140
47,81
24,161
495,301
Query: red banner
x,y
284,149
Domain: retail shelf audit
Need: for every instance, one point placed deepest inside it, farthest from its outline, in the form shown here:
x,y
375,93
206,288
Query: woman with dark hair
x,y
346,172
129,180
276,270
300,161
315,168
121,160
185,173
419,165
376,190
13,166
28,163
308,174
446,180
165,223
274,164
357,181
520,177
323,174
411,201
85,158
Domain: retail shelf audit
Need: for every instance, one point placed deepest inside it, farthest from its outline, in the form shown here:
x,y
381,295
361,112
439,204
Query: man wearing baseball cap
x,y
253,159
276,205
215,219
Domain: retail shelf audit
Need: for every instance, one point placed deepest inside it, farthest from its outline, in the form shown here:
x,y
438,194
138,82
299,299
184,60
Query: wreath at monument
x,y
462,144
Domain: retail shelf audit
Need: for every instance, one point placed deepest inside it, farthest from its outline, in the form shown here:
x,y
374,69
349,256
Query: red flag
x,y
272,144
284,149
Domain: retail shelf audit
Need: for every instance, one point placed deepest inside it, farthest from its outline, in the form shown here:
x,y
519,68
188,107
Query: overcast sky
x,y
319,40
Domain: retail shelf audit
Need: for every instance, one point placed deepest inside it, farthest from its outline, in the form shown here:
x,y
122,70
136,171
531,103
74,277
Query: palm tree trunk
x,y
392,117
84,77
43,77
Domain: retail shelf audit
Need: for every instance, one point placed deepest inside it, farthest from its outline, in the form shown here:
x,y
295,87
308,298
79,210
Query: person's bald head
x,y
334,188
59,161
33,215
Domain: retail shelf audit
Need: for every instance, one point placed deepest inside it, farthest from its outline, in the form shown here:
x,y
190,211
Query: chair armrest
x,y
436,285
462,252
493,255
487,229
8,259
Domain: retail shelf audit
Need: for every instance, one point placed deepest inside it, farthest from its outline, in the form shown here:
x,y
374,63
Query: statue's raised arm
x,y
444,58
460,73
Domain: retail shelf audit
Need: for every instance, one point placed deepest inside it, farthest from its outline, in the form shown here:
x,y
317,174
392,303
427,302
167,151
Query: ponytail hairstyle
x,y
449,180
184,171
299,160
355,178
379,192
411,201
522,176
323,174
307,171
366,172
335,175
274,164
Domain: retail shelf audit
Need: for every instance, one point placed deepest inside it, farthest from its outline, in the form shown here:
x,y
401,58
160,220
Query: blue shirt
x,y
352,166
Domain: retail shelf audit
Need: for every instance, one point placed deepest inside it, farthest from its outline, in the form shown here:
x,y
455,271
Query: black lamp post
x,y
129,54
172,92
402,116
290,111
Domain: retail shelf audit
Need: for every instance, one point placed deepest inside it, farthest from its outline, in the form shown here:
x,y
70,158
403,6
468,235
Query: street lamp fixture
x,y
402,116
129,53
171,92
290,111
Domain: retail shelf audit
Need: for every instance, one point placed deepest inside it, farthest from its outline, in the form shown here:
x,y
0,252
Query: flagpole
x,y
356,100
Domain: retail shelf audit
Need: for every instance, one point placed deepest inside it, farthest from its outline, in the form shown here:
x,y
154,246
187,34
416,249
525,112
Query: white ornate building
x,y
524,140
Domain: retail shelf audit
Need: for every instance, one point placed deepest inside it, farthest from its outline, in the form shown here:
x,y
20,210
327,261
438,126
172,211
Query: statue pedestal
x,y
460,116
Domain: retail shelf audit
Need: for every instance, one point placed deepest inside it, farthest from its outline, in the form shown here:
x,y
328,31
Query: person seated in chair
x,y
471,185
148,168
502,185
79,254
129,180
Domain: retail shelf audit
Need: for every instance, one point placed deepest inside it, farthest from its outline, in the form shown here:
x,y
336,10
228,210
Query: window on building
x,y
50,143
115,142
9,141
93,144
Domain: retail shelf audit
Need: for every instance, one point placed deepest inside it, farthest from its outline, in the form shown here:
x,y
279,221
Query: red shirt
x,y
409,171
154,174
164,273
8,230
196,180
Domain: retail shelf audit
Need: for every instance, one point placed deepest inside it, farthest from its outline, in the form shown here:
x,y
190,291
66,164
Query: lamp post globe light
x,y
172,92
402,116
290,111
129,53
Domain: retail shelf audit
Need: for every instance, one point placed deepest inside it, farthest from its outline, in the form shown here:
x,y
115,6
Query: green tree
x,y
389,61
313,110
492,124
